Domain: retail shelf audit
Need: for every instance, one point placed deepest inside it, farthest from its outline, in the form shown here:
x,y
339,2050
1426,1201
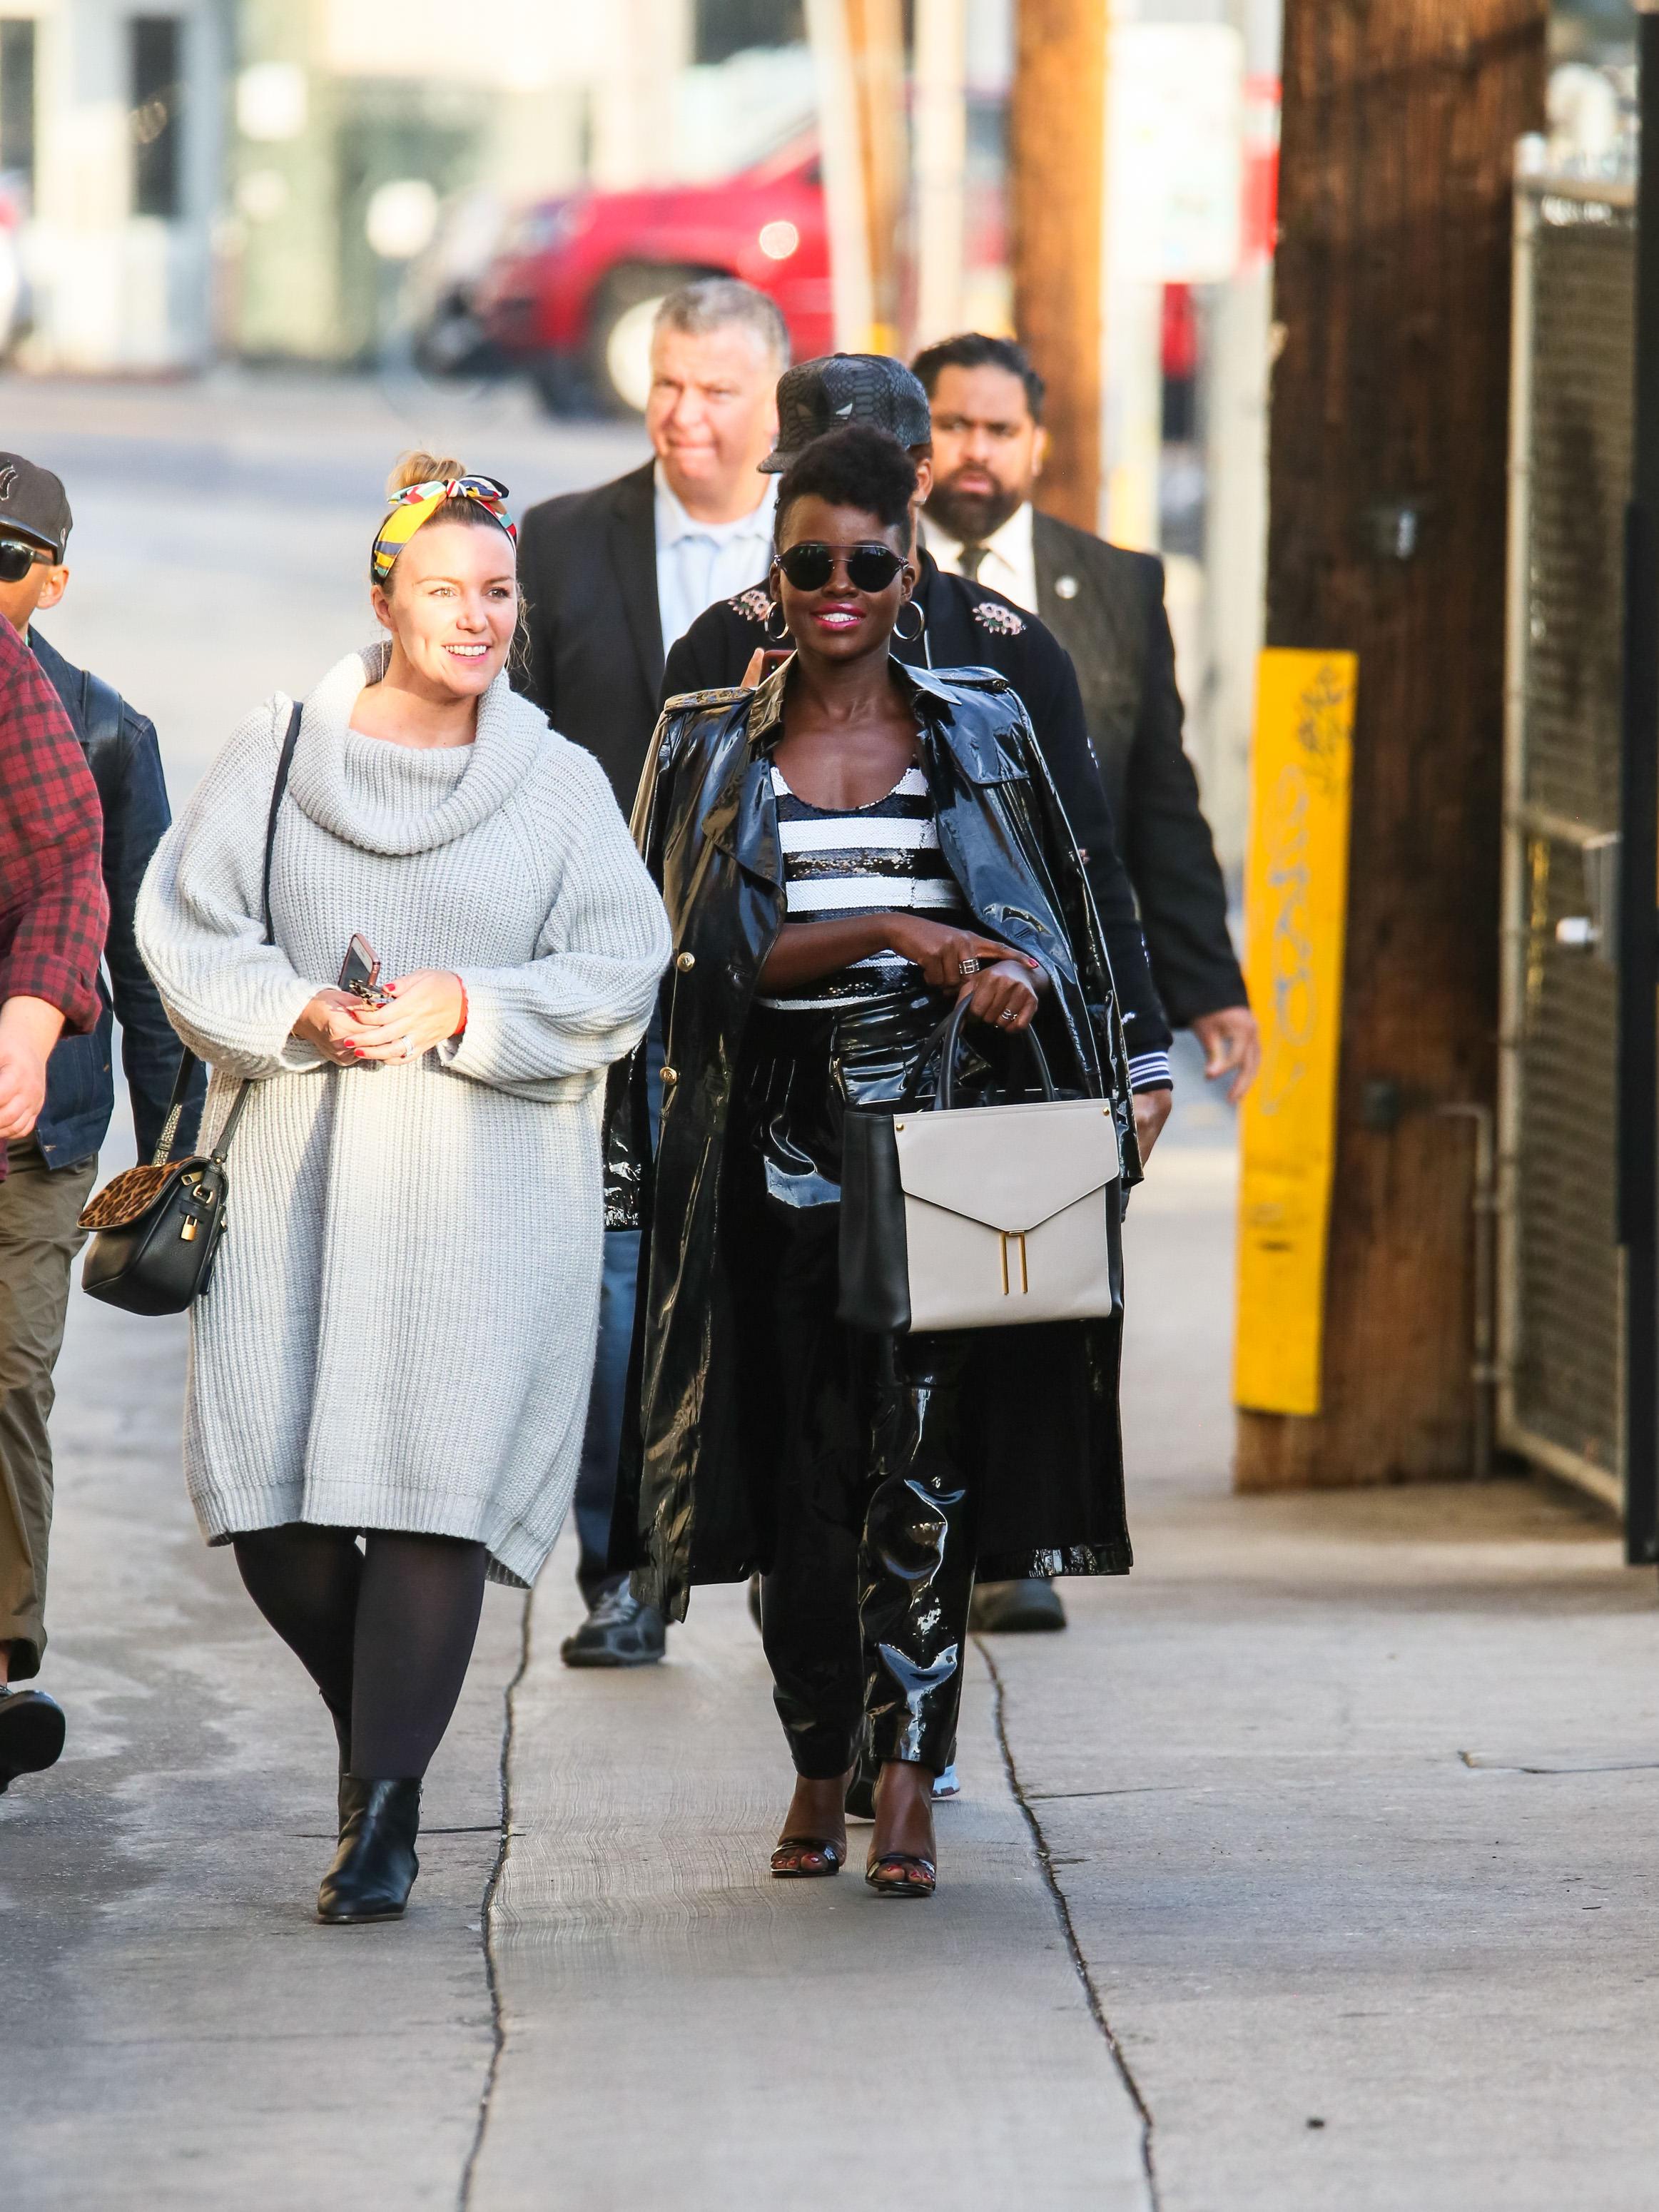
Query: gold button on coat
x,y
670,1075
685,962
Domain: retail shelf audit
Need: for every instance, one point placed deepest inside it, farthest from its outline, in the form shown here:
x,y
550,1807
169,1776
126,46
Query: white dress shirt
x,y
698,562
1010,562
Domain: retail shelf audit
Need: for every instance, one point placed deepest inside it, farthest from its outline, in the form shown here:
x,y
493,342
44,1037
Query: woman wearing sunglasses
x,y
846,852
390,1366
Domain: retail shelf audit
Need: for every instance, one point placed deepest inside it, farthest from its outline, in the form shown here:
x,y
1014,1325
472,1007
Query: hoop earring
x,y
777,636
911,636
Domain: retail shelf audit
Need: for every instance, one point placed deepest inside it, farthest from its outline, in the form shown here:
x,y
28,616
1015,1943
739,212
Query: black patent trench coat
x,y
706,820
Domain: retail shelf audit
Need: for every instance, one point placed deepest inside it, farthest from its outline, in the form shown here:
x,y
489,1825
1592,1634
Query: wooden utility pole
x,y
1387,489
858,52
876,33
1057,128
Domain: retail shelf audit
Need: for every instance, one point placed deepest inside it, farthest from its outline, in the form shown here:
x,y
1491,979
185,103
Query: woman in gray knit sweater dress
x,y
397,1342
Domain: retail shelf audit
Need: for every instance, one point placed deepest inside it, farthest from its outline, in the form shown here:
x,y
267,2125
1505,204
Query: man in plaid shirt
x,y
53,916
53,912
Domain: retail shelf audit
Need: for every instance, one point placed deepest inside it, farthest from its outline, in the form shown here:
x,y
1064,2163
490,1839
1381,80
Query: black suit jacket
x,y
969,627
588,566
1112,622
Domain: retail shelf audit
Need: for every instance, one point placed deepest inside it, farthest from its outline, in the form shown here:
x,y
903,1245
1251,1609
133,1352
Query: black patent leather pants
x,y
871,1516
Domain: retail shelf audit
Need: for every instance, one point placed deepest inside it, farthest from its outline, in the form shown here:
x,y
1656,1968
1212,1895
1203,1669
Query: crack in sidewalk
x,y
1047,1863
486,1915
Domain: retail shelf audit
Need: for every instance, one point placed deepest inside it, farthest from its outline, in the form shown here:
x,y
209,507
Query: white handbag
x,y
981,1217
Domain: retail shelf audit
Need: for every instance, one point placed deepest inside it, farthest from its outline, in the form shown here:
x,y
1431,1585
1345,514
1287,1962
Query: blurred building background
x,y
113,163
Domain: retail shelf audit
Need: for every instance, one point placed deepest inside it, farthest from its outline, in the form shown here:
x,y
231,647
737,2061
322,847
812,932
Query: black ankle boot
x,y
375,1866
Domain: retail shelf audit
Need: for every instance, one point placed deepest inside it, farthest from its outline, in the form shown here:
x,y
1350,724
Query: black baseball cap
x,y
839,388
33,504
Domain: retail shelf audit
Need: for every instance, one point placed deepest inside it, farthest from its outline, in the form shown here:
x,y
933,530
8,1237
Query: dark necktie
x,y
969,559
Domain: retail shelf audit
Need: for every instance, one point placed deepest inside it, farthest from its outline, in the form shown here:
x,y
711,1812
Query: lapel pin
x,y
1065,587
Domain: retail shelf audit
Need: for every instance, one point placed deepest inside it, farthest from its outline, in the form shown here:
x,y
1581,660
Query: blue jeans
x,y
596,1478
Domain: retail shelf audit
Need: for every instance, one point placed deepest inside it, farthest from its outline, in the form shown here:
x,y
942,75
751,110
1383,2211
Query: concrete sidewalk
x,y
1310,1868
1351,1799
679,2029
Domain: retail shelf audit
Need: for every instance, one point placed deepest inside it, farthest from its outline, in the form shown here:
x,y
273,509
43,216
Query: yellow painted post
x,y
1295,908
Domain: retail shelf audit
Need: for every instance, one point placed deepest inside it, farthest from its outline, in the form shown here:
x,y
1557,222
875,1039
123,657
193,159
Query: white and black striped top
x,y
868,860
873,860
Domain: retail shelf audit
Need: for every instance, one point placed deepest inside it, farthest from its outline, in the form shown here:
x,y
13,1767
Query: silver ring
x,y
969,966
409,1048
1006,1015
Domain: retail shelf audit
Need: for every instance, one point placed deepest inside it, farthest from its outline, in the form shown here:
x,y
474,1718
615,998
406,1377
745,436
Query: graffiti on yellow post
x,y
1295,909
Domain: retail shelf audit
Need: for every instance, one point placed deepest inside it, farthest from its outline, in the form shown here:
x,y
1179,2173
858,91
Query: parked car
x,y
570,298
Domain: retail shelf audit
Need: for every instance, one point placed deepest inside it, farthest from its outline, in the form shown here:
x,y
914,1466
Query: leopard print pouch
x,y
127,1195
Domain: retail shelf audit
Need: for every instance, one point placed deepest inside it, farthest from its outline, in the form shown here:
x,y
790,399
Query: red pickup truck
x,y
569,297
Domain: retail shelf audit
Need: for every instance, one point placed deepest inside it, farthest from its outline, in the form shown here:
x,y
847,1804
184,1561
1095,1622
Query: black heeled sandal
x,y
833,1855
902,1874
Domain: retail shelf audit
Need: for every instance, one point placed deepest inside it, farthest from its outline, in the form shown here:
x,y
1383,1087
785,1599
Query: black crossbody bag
x,y
159,1228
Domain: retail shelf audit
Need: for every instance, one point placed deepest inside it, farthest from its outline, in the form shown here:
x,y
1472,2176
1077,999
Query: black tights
x,y
384,1632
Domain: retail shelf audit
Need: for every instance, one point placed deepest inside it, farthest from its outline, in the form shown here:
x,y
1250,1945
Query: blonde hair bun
x,y
416,467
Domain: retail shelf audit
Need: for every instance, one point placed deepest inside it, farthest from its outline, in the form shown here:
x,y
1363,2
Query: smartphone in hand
x,y
360,972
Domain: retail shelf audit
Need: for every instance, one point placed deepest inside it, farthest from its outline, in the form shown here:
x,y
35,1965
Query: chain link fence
x,y
1560,1289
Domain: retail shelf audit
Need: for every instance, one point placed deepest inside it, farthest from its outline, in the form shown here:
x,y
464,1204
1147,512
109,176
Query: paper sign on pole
x,y
1295,913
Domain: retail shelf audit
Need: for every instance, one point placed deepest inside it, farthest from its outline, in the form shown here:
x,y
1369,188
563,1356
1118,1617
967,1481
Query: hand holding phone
x,y
419,1011
328,1022
360,972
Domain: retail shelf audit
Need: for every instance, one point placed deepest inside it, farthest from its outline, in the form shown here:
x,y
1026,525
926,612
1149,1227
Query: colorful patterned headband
x,y
417,503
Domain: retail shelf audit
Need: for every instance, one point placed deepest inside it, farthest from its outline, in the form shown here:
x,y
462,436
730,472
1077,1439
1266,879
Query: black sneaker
x,y
620,1631
1022,1609
31,1733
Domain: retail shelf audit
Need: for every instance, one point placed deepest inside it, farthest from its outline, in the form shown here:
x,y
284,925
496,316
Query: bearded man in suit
x,y
1105,605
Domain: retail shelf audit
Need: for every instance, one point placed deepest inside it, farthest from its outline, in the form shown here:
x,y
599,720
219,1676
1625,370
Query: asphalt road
x,y
1310,1868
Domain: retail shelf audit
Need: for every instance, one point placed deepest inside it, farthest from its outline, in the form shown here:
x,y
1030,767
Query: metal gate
x,y
1561,1290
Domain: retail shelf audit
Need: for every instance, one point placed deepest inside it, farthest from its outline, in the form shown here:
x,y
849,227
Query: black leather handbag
x,y
158,1228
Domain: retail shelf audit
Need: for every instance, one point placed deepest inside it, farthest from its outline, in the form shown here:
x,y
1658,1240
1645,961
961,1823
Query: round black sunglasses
x,y
810,565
